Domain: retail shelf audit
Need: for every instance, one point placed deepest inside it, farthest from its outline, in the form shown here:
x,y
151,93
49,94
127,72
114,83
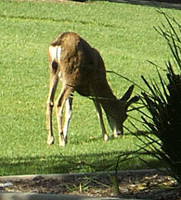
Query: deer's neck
x,y
106,98
109,105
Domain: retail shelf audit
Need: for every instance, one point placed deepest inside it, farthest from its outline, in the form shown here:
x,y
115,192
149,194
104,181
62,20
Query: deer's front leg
x,y
53,86
99,114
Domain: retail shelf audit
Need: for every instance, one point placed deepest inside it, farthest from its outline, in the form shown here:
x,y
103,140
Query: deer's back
x,y
81,65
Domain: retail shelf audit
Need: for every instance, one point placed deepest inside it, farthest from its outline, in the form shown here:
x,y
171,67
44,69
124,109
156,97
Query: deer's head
x,y
118,115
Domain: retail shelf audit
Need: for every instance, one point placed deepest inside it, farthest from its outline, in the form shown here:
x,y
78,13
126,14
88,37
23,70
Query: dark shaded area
x,y
173,4
166,1
72,164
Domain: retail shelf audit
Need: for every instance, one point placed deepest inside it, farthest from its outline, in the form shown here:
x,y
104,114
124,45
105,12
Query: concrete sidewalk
x,y
32,196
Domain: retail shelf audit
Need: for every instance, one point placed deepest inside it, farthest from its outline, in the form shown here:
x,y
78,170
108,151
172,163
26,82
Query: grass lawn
x,y
126,39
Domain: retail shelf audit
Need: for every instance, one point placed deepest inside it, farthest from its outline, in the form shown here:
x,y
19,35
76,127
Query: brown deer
x,y
81,69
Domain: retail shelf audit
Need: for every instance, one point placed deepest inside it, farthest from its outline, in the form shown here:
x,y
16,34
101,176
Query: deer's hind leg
x,y
53,85
63,98
68,116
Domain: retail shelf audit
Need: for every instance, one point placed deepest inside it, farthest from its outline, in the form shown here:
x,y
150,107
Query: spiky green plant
x,y
163,103
162,117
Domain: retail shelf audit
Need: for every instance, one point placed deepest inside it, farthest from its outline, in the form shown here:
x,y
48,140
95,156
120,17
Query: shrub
x,y
163,103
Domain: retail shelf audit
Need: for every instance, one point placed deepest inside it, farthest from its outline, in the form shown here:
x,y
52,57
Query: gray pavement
x,y
31,196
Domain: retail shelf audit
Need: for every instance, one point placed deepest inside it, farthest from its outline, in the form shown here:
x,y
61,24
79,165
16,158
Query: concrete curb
x,y
32,196
75,175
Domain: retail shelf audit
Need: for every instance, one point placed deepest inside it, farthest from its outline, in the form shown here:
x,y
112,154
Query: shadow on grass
x,y
72,164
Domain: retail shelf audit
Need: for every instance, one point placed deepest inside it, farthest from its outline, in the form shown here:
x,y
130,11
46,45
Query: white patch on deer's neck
x,y
55,52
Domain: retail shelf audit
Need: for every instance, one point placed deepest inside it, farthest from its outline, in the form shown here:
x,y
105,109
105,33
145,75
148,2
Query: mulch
x,y
149,185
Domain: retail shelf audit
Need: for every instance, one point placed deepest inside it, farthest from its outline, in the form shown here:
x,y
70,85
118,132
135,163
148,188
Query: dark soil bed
x,y
149,185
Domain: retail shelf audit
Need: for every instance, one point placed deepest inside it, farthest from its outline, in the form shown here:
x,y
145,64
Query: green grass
x,y
125,37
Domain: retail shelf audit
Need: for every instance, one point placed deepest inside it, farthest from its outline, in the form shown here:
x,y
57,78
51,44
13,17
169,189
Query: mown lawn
x,y
126,39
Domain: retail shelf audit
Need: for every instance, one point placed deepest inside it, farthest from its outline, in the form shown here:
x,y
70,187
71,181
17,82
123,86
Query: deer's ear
x,y
127,94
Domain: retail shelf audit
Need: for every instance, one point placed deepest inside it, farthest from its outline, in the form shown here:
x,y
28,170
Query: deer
x,y
81,68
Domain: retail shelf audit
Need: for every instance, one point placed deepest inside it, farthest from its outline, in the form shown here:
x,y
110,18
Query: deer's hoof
x,y
115,135
106,137
50,140
62,141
